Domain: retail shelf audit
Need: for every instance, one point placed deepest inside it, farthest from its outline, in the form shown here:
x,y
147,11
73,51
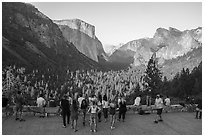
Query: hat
x,y
158,95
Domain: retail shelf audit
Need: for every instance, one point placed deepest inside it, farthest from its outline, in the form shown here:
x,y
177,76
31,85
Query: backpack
x,y
141,112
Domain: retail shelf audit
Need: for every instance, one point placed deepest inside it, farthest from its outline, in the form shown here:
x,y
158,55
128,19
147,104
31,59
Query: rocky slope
x,y
30,38
170,46
110,49
82,35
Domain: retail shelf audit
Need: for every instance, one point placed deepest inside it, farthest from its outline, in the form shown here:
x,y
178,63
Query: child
x,y
93,110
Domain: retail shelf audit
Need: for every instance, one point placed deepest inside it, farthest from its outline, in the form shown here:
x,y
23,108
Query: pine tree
x,y
152,77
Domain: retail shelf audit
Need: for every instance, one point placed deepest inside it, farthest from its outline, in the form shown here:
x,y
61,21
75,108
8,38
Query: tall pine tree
x,y
153,77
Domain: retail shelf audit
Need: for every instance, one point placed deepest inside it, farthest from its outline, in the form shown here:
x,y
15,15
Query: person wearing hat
x,y
159,107
65,106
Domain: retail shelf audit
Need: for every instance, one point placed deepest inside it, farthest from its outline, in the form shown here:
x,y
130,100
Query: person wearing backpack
x,y
122,109
112,112
65,106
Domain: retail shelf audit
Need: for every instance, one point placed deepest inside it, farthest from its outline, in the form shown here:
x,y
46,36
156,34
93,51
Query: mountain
x,y
171,45
31,39
110,49
82,35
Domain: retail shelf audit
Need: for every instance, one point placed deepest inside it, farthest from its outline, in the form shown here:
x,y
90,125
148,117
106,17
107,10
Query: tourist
x,y
65,106
93,110
84,105
80,99
5,103
159,107
19,100
41,103
105,107
112,113
99,104
199,109
167,104
122,109
74,115
137,103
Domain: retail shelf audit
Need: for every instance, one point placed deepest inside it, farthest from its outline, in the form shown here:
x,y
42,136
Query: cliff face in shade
x,y
82,35
30,38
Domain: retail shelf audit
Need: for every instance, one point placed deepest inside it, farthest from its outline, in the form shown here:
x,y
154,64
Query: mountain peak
x,y
174,29
78,24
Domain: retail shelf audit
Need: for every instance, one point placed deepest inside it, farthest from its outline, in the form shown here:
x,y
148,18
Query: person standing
x,y
167,104
105,107
122,109
199,109
19,100
93,110
112,113
99,104
84,105
5,103
80,99
159,107
137,103
41,104
65,106
74,115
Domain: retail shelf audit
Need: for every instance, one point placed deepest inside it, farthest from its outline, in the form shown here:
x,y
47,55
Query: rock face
x,y
110,49
32,39
82,35
167,44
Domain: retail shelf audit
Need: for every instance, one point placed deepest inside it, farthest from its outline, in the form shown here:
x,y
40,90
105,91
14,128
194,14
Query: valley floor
x,y
175,123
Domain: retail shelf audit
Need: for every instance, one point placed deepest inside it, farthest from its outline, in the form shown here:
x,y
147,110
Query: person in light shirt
x,y
167,103
105,105
137,103
80,100
41,104
159,107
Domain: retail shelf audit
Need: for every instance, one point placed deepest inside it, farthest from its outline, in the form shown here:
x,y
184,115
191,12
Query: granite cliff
x,y
169,45
82,35
31,39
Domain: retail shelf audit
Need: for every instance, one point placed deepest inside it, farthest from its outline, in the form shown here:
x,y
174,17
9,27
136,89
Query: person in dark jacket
x,y
19,100
65,106
84,105
74,114
122,109
199,109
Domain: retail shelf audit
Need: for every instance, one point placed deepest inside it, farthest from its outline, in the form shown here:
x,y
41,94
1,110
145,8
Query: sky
x,y
121,22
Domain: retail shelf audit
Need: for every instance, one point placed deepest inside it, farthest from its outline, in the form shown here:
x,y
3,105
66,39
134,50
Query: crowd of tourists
x,y
80,92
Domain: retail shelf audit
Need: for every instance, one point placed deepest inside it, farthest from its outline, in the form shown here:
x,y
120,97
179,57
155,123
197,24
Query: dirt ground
x,y
175,123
